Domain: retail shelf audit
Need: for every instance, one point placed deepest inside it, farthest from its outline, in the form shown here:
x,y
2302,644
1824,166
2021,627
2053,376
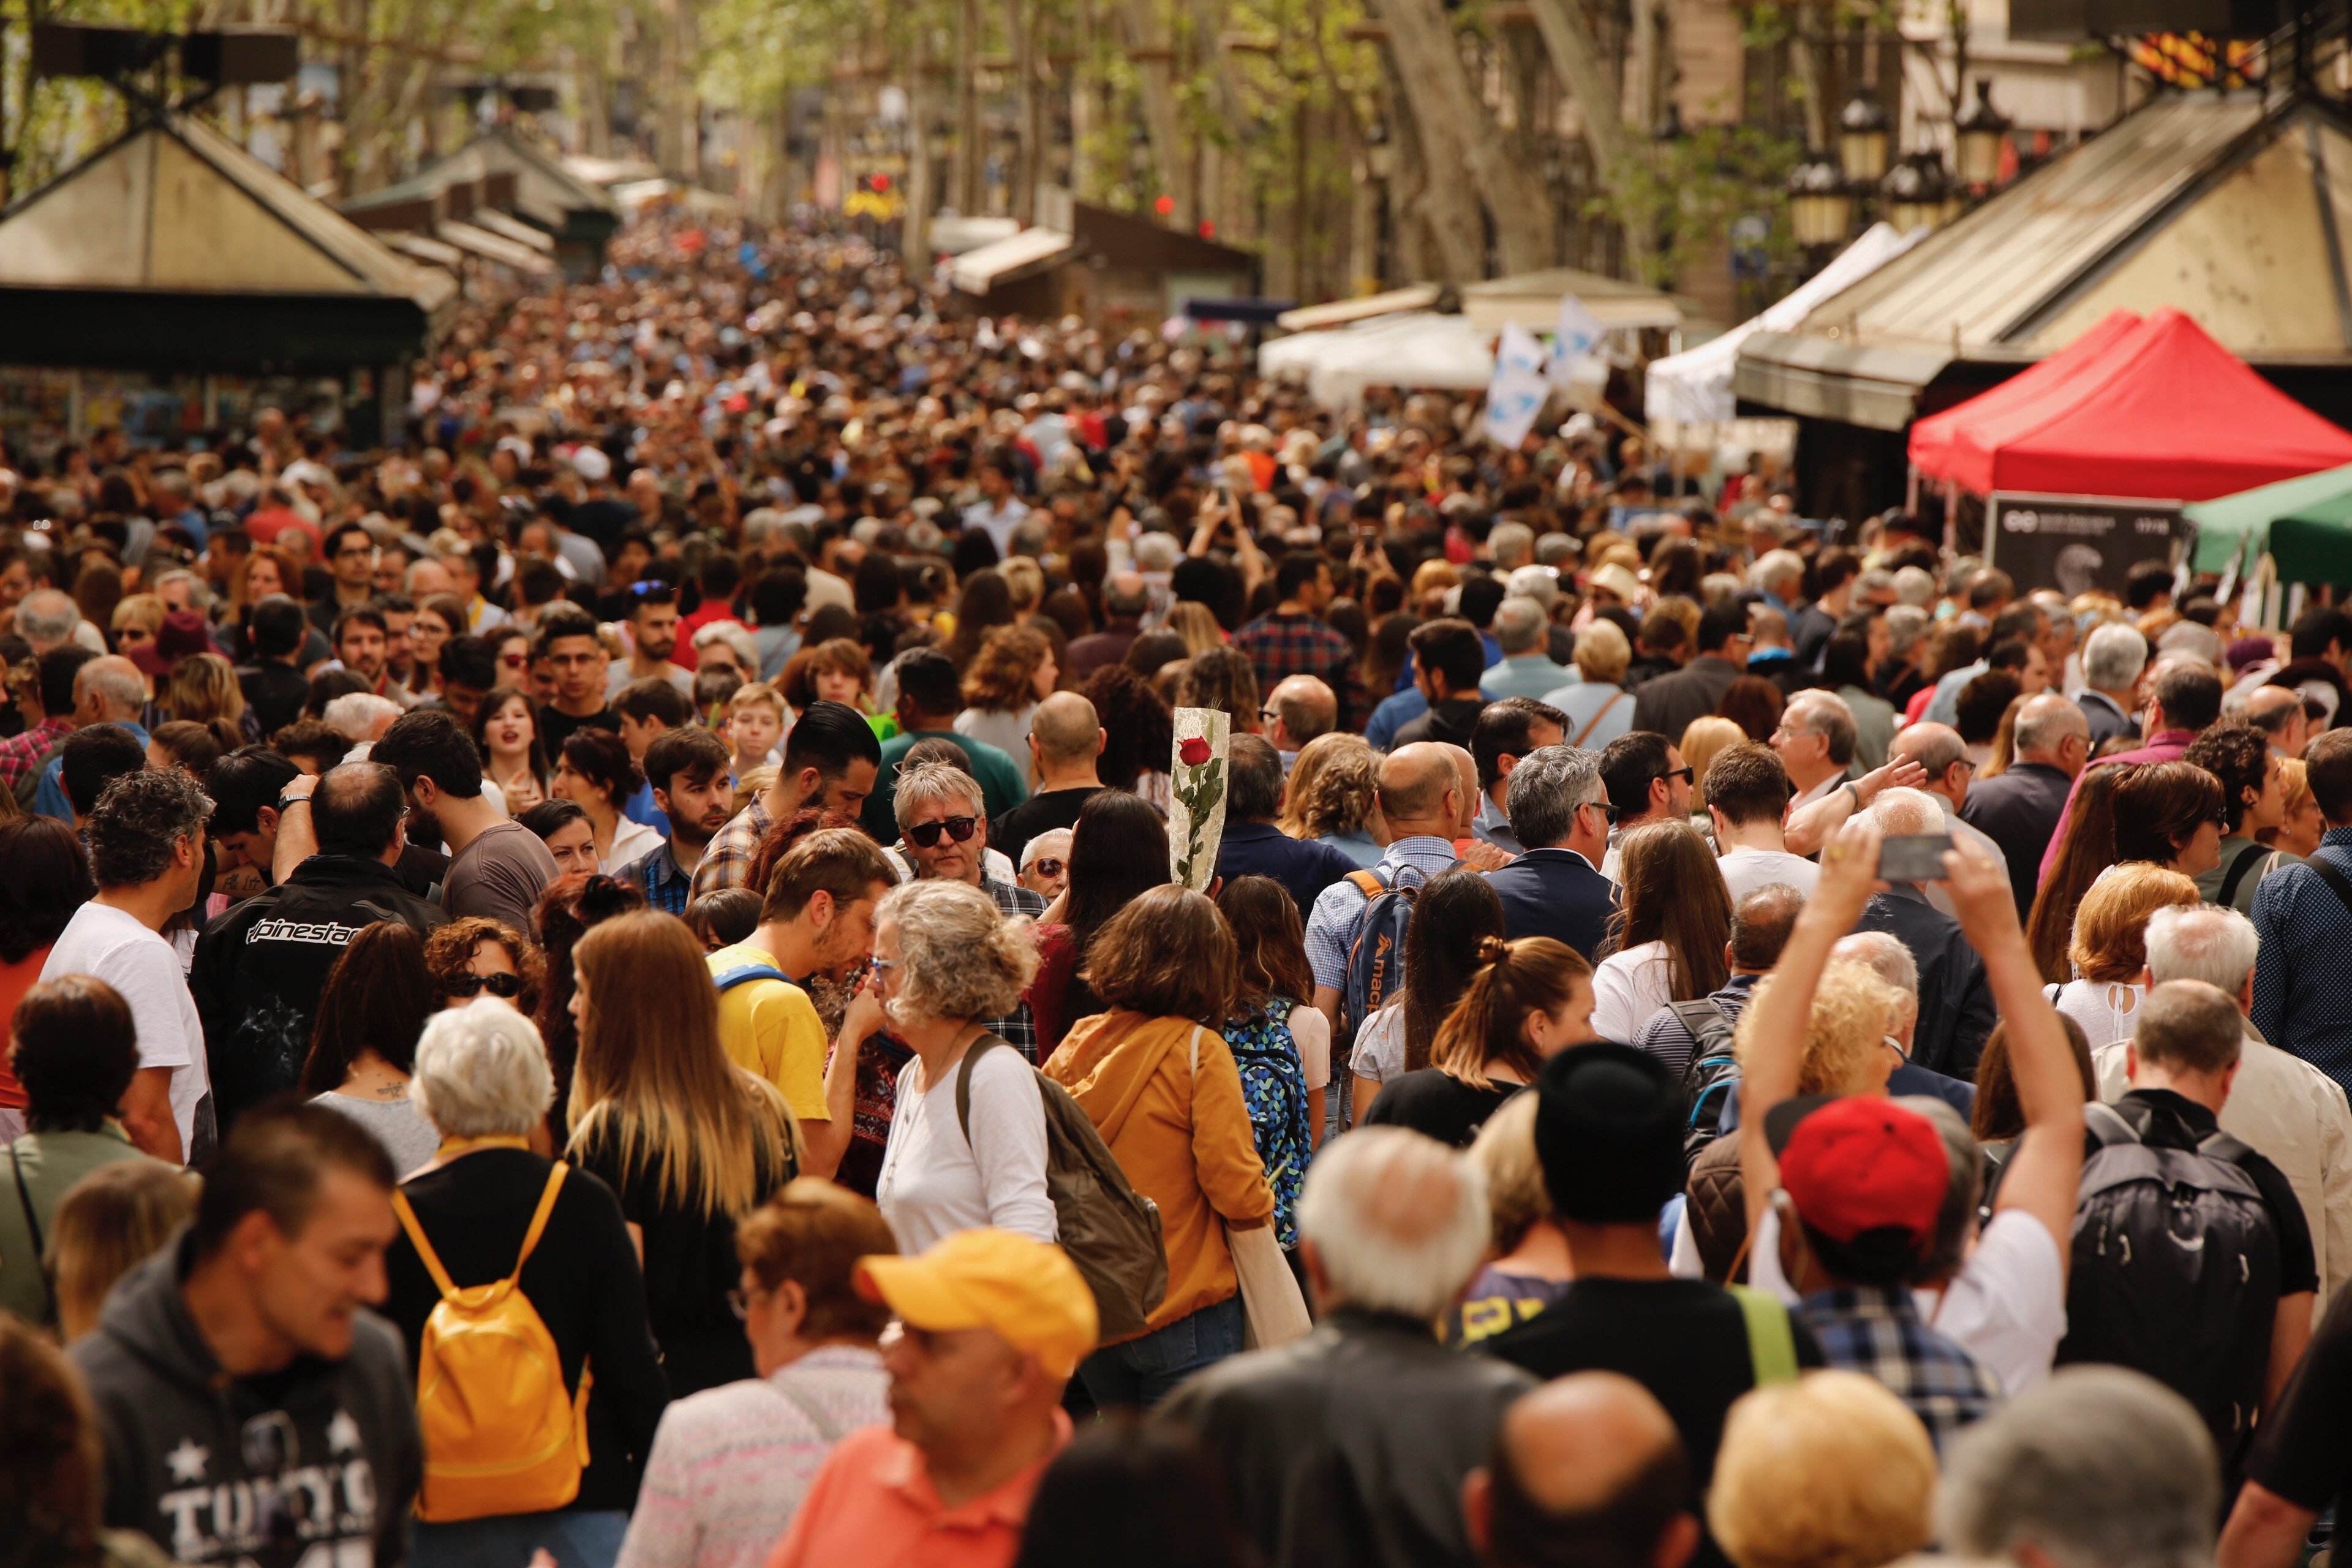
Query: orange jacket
x,y
1187,1145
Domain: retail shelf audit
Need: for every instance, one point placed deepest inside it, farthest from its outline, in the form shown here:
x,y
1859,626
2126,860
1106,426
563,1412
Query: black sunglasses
x,y
927,834
1687,774
1608,812
1045,865
507,985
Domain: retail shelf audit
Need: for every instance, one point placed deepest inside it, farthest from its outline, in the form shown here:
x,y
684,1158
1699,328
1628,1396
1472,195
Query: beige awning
x,y
416,248
1009,260
1341,312
492,246
1532,299
508,227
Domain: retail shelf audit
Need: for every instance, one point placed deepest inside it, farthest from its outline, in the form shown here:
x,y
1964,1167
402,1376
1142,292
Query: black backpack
x,y
2175,1269
1712,1076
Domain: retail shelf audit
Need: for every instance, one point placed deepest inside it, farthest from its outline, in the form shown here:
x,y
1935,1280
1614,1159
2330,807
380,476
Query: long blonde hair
x,y
203,688
653,1078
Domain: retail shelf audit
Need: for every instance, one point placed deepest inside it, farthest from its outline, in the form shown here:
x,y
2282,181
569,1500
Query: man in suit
x,y
1253,846
1561,813
1669,703
2018,808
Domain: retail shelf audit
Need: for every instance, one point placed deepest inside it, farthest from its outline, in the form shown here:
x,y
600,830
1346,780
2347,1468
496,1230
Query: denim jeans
x,y
1143,1371
575,1538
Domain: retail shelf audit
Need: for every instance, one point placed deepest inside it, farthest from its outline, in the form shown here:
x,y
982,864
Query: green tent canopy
x,y
2304,524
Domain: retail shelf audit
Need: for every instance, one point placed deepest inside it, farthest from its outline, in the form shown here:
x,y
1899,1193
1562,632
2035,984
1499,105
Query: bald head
x,y
2277,712
1067,730
2045,726
1938,749
1466,773
1303,708
1591,1452
1415,782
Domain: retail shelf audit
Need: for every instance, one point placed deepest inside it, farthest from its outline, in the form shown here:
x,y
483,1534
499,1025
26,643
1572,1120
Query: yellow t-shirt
x,y
770,1027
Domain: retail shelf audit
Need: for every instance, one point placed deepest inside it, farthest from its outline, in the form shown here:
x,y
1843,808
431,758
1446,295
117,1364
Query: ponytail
x,y
1487,1027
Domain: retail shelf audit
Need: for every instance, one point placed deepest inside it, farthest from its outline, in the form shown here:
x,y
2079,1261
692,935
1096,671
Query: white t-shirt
x,y
1380,1046
934,1184
632,842
1745,870
145,968
1628,987
2109,1010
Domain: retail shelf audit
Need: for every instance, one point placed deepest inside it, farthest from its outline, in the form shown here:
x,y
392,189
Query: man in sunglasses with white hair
x,y
943,833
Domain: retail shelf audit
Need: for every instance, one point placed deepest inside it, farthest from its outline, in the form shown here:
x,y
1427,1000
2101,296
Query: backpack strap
x,y
40,1248
539,1218
1592,724
963,1082
432,1259
2239,864
424,1253
2333,877
1771,1343
1700,1015
1369,883
728,979
828,1428
2107,1125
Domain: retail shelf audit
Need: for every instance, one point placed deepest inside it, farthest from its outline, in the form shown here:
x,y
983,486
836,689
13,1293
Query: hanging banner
x,y
1518,394
1575,341
2078,544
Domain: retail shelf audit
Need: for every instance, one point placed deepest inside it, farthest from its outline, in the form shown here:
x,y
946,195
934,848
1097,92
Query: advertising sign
x,y
2078,544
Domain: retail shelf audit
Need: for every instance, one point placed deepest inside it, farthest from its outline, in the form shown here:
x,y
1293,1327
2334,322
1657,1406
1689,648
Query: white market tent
x,y
1417,350
1694,388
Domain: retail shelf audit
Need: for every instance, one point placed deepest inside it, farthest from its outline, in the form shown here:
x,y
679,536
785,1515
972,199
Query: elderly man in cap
x,y
989,1327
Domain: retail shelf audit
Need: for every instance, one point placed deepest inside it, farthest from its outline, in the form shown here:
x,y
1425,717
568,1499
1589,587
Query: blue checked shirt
x,y
657,875
1880,1332
2303,985
1339,907
1017,1029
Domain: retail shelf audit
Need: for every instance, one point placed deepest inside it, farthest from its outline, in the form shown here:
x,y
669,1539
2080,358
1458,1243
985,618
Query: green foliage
x,y
1686,193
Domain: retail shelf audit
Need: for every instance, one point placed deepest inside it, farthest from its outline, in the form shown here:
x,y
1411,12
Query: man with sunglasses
x,y
1555,889
259,968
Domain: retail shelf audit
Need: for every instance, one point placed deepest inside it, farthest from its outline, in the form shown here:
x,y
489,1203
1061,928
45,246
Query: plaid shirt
x,y
20,756
1880,1332
1017,1028
1281,646
728,862
658,875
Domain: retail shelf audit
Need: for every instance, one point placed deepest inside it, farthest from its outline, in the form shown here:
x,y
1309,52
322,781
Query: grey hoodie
x,y
315,1465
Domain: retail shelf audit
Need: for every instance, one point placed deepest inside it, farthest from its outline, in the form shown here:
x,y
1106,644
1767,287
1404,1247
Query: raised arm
x,y
1808,829
2047,1168
1773,1030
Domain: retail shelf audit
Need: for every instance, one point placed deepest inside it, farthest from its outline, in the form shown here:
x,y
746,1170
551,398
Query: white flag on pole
x,y
1575,341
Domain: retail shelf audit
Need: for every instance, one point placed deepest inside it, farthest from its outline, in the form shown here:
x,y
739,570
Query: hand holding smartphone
x,y
1914,856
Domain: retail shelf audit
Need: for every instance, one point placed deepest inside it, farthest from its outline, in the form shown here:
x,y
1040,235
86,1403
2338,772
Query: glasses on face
x,y
1268,713
881,966
1045,865
1687,774
738,1301
1892,1044
926,834
469,985
354,551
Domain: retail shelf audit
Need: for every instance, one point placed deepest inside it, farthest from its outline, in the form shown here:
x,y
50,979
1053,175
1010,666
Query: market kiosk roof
x,y
2234,211
2144,408
125,259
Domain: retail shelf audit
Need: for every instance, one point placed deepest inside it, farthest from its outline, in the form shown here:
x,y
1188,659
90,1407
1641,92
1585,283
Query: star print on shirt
x,y
188,1461
342,1433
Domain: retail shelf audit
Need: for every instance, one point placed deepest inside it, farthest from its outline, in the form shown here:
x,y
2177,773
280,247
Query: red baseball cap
x,y
1857,1164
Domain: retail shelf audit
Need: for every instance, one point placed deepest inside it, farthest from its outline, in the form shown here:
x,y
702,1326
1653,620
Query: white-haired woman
x,y
482,1080
943,959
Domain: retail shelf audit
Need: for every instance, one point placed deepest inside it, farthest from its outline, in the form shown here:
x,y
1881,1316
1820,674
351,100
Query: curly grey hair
x,y
138,822
958,957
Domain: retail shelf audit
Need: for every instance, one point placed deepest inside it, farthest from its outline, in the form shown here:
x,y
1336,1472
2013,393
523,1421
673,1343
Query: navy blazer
x,y
1956,1008
1304,866
1555,893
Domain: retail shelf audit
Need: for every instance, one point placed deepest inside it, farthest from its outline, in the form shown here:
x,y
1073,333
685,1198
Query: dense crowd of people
x,y
606,986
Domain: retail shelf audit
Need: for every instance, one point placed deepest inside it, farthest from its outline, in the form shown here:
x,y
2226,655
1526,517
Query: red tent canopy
x,y
2150,408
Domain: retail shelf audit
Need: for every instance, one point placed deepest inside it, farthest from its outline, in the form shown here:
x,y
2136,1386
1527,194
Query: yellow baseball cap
x,y
1027,1291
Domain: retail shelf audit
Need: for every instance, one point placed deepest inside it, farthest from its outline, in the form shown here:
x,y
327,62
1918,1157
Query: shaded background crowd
x,y
1754,1040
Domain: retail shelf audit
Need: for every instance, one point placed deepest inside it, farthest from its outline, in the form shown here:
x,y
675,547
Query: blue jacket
x,y
1304,867
1555,893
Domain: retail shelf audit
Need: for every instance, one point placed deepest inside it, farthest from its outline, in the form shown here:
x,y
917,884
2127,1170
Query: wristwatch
x,y
285,801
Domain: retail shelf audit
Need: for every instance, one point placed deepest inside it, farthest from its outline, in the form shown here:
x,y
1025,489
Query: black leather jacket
x,y
1350,1445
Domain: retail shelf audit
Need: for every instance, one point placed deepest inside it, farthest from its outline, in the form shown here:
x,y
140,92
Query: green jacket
x,y
50,1164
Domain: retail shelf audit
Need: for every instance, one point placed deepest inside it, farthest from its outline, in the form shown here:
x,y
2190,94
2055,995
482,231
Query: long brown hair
x,y
1167,954
377,998
1674,894
1487,1029
2086,848
1453,917
653,1077
1271,943
1002,676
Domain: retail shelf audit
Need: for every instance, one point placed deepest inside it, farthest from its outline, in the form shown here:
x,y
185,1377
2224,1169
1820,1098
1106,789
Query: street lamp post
x,y
1864,136
1978,136
1916,192
1820,205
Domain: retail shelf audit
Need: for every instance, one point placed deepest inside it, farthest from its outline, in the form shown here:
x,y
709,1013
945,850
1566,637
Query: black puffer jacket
x,y
261,966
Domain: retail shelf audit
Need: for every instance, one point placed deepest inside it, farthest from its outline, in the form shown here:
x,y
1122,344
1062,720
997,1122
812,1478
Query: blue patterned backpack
x,y
1274,1088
